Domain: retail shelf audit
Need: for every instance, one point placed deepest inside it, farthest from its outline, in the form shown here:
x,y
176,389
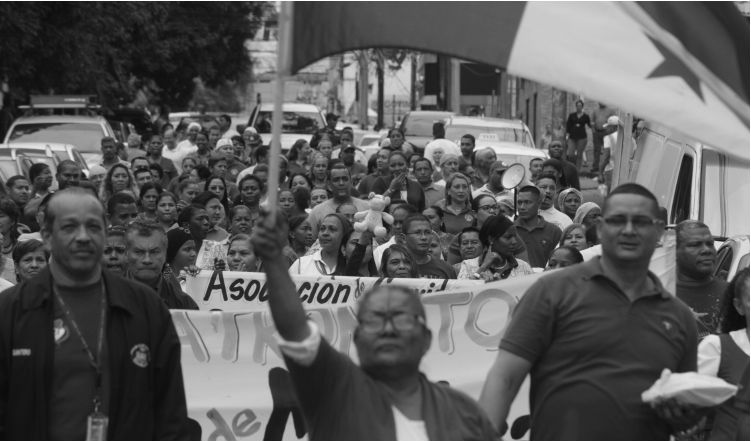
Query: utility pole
x,y
362,85
413,82
379,73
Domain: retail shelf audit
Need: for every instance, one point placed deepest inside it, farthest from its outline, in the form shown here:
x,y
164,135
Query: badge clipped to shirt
x,y
96,425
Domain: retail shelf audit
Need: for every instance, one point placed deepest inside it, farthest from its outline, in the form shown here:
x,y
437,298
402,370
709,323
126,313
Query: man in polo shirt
x,y
695,258
416,235
341,187
539,236
423,171
594,336
548,185
494,187
386,397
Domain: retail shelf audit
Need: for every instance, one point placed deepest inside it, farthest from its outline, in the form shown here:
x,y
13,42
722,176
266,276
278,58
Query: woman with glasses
x,y
497,262
484,205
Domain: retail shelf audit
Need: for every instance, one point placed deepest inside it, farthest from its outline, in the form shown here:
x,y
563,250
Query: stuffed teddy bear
x,y
373,218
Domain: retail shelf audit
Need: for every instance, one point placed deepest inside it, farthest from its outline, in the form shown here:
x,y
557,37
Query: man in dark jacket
x,y
82,349
147,253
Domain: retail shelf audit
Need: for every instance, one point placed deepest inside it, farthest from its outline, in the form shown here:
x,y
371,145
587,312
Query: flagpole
x,y
284,41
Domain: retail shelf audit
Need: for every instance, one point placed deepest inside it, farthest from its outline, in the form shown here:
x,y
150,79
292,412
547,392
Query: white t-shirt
x,y
710,352
407,429
183,149
311,265
556,218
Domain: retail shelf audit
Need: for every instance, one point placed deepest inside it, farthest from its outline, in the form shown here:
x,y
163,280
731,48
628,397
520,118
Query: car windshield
x,y
516,159
294,122
86,137
494,134
8,168
420,125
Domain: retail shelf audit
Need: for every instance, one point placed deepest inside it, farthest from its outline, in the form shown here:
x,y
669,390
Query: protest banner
x,y
241,291
236,382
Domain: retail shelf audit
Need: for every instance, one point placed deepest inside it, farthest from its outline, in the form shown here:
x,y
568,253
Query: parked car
x,y
83,132
13,162
489,130
180,120
60,151
300,121
417,126
733,255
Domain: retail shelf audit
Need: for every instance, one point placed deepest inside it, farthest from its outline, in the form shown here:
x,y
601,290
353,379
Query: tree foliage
x,y
115,49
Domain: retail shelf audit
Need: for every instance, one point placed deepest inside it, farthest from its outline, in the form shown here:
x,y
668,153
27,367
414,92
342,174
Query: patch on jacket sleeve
x,y
60,330
140,355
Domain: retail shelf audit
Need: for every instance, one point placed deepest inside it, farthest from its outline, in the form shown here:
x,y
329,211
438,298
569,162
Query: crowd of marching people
x,y
451,216
193,201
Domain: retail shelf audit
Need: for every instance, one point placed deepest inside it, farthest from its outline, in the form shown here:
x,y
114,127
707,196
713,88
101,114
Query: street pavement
x,y
589,190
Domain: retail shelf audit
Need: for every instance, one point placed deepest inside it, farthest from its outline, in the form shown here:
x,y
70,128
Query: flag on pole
x,y
683,64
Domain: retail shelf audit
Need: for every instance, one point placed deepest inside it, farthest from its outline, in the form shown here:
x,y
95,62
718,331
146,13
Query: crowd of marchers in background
x,y
169,199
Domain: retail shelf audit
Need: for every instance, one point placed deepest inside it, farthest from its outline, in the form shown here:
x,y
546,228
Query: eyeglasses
x,y
638,222
400,321
488,207
425,233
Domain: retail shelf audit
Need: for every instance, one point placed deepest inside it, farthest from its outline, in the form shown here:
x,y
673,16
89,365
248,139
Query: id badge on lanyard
x,y
97,421
96,424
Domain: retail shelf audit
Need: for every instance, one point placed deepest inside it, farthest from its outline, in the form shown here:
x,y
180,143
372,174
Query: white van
x,y
692,180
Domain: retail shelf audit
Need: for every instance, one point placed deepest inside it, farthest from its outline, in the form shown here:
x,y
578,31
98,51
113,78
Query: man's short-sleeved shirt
x,y
540,240
436,269
593,352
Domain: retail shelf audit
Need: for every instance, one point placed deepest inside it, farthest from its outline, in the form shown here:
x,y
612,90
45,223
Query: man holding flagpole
x,y
386,397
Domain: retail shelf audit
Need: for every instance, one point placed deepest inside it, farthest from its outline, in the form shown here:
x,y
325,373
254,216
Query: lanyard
x,y
95,361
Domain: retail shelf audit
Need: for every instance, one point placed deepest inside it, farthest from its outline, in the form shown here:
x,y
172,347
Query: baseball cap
x,y
96,170
613,120
223,142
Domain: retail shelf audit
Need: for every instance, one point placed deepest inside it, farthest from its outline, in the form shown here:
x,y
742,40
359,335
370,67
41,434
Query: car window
x,y
294,122
8,168
502,134
85,136
724,260
420,125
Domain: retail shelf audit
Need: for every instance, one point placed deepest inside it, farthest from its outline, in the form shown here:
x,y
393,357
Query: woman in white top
x,y
497,262
727,356
333,234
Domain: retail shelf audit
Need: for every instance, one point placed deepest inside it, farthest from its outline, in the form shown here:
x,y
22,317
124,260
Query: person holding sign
x,y
386,397
595,335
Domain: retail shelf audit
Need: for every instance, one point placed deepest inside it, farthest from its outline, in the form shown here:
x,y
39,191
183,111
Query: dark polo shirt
x,y
541,239
594,352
